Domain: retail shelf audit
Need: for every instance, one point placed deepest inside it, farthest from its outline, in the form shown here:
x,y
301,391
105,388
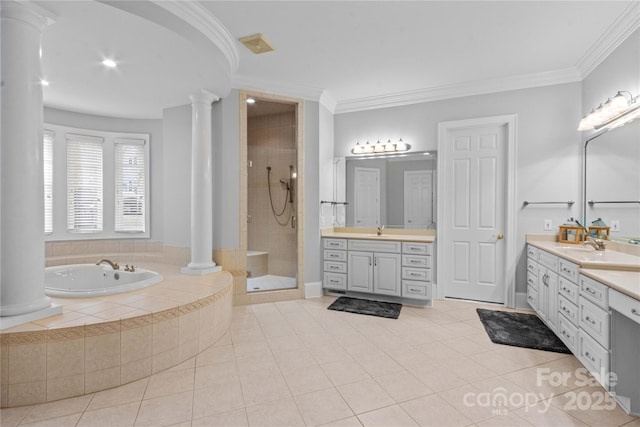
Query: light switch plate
x,y
615,225
548,224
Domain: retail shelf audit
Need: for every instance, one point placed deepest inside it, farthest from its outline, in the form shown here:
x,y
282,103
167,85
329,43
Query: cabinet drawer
x,y
593,356
374,246
532,266
568,309
331,255
416,261
532,252
335,281
594,291
532,280
568,333
595,321
548,260
335,243
568,269
419,290
532,297
335,267
568,290
624,305
421,274
417,248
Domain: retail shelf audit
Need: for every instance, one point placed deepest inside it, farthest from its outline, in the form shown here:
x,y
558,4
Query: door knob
x,y
500,236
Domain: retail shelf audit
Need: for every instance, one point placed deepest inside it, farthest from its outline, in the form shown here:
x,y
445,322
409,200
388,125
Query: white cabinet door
x,y
386,274
360,271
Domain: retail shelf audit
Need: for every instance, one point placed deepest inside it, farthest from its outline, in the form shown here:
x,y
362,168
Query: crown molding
x,y
547,78
269,86
200,18
618,31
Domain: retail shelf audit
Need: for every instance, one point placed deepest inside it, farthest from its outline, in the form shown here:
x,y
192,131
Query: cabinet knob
x,y
500,236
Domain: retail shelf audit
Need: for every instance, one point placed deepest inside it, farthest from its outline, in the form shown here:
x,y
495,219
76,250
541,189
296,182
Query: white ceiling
x,y
358,54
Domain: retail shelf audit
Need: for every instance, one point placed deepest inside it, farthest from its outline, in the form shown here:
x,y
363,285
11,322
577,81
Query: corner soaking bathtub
x,y
89,280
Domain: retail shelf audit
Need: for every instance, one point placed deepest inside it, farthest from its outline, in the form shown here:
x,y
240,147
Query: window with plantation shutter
x,y
84,183
47,156
130,185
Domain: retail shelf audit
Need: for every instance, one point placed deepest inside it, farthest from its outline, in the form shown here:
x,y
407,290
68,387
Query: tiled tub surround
x,y
103,342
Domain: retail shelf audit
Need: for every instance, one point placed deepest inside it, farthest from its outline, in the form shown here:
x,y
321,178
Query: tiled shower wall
x,y
272,142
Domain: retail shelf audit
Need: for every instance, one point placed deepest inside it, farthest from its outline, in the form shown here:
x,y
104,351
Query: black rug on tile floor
x,y
389,310
520,330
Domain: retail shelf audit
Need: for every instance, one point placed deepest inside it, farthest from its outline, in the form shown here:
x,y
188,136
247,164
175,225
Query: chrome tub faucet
x,y
114,266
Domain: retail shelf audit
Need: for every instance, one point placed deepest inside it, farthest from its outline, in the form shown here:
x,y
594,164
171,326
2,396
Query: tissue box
x,y
598,232
571,234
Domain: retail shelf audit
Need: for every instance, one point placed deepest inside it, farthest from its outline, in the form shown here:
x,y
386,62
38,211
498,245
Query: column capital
x,y
27,12
203,97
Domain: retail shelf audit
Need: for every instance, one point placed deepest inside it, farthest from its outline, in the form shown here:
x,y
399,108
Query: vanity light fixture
x,y
614,112
380,147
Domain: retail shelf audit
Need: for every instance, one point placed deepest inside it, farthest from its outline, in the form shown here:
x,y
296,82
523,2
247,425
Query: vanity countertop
x,y
588,258
627,282
422,236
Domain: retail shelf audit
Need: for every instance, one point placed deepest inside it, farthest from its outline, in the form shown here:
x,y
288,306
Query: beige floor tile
x,y
472,403
237,418
344,372
385,417
438,379
295,360
213,355
65,421
307,379
345,422
275,414
170,382
593,406
506,393
58,409
468,369
322,407
434,411
508,419
114,416
365,396
439,351
378,364
165,410
498,363
328,354
466,346
545,414
219,373
11,417
217,400
263,387
403,386
128,393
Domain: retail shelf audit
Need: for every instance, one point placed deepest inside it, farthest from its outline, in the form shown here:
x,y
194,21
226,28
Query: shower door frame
x,y
241,295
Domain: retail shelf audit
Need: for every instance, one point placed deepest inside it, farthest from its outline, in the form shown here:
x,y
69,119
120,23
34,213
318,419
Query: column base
x,y
200,269
19,319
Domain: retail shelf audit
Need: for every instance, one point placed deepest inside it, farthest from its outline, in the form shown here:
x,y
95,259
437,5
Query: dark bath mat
x,y
389,310
520,330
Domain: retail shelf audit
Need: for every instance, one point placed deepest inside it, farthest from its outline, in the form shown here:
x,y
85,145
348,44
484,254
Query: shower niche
x,y
272,196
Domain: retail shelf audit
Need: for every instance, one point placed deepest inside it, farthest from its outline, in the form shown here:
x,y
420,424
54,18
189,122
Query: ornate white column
x,y
201,186
22,296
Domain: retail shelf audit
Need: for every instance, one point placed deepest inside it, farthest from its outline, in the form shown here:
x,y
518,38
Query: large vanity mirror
x,y
612,181
394,191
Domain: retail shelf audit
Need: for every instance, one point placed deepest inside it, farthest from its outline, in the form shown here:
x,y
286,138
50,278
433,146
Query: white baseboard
x,y
313,290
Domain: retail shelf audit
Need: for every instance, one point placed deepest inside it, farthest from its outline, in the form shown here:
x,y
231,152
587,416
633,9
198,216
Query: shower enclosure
x,y
271,196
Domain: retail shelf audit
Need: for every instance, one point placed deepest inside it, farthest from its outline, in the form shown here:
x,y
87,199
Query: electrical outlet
x,y
548,224
615,225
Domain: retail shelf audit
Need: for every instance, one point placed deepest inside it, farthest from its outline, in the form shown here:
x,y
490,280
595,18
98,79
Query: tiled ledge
x,y
102,342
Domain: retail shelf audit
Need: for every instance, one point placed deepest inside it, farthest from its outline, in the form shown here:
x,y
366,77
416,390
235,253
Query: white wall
x,y
613,159
177,176
312,178
325,160
113,124
548,145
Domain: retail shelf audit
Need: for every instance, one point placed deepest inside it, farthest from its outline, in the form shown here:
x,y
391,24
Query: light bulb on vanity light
x,y
401,146
389,146
379,148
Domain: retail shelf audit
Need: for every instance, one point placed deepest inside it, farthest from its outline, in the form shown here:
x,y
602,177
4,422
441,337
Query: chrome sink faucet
x,y
598,244
114,266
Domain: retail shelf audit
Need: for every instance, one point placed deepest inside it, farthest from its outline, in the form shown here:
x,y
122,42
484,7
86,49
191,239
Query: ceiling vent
x,y
257,44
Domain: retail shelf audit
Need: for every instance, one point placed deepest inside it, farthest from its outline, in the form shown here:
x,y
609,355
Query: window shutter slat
x,y
47,155
84,184
130,185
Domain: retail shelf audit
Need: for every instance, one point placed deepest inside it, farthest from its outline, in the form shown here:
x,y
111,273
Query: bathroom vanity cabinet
x,y
384,267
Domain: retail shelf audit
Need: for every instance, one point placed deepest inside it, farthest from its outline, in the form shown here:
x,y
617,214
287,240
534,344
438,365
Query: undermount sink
x,y
578,248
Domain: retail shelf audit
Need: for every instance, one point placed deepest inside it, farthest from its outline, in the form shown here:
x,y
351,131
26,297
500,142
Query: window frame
x,y
59,193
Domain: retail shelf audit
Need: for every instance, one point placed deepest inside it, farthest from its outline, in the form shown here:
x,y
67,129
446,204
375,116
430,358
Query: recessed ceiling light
x,y
257,44
109,63
251,101
44,82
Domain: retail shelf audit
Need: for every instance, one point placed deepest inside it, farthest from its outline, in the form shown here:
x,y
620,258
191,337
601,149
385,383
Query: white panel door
x,y
366,208
474,213
418,203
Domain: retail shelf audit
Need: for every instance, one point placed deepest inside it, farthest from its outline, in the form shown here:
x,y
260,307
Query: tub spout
x,y
114,266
